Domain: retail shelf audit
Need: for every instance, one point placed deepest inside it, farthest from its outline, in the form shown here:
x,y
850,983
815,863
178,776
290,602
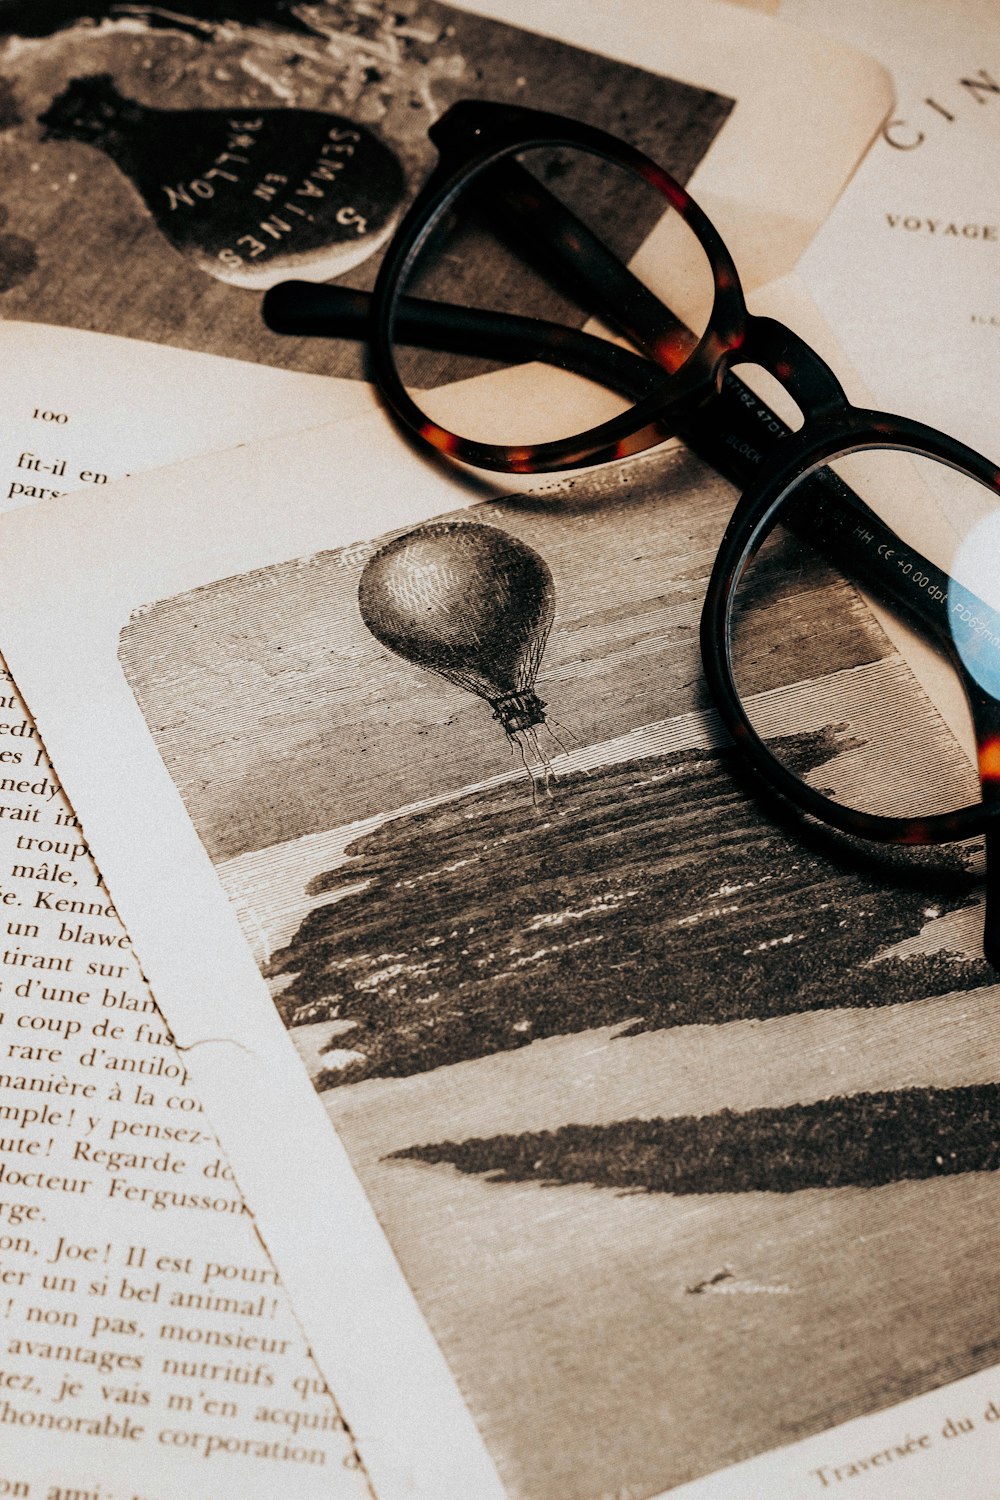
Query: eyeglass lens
x,y
560,235
872,741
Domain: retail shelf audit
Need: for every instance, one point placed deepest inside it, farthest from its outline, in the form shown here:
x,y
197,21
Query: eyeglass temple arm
x,y
735,434
832,517
522,211
312,309
735,431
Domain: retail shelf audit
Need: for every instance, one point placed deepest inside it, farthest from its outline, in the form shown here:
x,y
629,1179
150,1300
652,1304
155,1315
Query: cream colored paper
x,y
907,268
87,409
804,113
370,1337
145,1334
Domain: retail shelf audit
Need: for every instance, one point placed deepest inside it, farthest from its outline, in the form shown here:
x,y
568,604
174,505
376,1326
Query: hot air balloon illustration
x,y
469,602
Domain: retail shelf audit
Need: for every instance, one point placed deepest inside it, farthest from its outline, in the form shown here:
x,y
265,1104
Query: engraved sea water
x,y
691,1299
788,996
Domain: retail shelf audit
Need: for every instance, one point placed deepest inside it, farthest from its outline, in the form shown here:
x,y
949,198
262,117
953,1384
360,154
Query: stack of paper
x,y
407,1182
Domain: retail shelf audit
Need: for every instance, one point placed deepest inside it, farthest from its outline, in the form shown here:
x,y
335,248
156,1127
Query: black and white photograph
x,y
660,1094
164,165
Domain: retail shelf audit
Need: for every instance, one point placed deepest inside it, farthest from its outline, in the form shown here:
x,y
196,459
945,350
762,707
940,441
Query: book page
x,y
907,268
148,1346
555,1039
86,409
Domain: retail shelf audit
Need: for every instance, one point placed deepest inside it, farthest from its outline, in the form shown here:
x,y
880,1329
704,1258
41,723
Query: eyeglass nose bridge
x,y
806,377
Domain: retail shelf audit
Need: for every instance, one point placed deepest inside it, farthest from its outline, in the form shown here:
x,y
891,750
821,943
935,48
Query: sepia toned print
x,y
661,1100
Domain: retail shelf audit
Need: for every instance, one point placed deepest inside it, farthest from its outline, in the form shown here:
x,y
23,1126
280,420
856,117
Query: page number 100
x,y
59,417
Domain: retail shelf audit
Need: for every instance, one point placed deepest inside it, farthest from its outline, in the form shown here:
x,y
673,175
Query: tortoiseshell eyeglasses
x,y
541,241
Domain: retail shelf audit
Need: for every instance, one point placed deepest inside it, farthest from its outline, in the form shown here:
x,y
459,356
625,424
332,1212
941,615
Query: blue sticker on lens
x,y
974,622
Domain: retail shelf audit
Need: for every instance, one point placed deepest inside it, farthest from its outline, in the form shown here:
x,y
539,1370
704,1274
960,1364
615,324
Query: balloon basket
x,y
518,711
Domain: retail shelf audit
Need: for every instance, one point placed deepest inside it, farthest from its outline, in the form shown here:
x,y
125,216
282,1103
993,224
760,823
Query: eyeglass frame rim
x,y
475,134
748,526
472,136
